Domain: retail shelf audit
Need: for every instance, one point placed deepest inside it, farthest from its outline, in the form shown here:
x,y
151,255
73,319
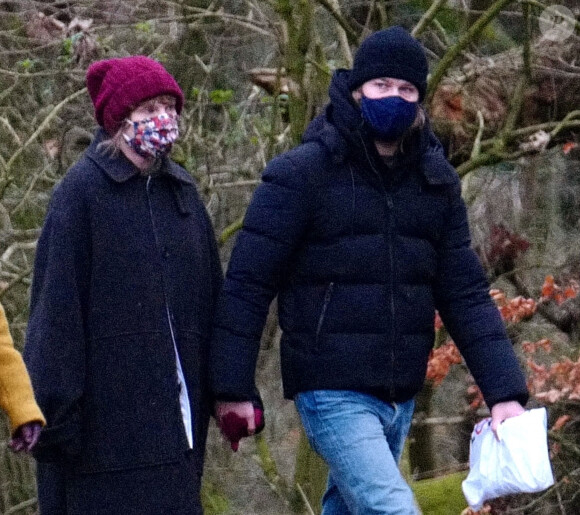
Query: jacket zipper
x,y
389,202
392,292
327,297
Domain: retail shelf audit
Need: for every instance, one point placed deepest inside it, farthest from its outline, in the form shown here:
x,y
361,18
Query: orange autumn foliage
x,y
445,356
561,422
555,382
441,360
569,146
532,347
513,310
553,291
547,383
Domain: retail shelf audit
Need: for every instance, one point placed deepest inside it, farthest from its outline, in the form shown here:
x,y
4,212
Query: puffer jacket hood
x,y
342,131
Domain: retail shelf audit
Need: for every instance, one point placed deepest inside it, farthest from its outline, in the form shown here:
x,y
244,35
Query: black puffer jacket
x,y
360,253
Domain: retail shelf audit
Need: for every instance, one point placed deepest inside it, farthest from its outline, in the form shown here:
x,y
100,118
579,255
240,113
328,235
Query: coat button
x,y
165,253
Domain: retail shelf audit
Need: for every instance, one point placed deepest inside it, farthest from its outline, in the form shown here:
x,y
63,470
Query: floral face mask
x,y
153,137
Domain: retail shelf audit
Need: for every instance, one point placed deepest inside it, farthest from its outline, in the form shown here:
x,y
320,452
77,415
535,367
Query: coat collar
x,y
120,169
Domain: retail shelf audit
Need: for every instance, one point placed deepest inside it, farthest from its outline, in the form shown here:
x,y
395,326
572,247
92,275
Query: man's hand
x,y
502,411
25,437
237,420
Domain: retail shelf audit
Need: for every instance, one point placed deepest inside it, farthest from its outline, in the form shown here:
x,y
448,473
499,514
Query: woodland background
x,y
504,97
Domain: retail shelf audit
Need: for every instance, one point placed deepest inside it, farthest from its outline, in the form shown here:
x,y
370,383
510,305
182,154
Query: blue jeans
x,y
361,438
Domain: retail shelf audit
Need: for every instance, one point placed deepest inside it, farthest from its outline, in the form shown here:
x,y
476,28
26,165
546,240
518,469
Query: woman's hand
x,y
237,420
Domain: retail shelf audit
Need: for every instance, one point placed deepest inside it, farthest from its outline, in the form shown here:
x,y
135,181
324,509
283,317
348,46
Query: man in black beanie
x,y
362,234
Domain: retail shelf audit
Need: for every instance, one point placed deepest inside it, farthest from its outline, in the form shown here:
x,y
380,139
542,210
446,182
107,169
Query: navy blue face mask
x,y
388,118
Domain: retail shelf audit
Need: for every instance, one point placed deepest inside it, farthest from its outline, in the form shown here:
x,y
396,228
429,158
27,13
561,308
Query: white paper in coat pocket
x,y
519,462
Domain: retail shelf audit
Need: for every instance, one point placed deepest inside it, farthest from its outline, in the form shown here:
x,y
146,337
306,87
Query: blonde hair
x,y
112,145
417,125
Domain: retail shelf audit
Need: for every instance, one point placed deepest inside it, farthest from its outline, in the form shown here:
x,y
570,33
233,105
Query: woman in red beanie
x,y
125,282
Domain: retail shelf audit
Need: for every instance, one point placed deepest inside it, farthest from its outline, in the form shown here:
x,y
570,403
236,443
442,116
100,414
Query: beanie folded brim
x,y
379,70
118,85
143,86
393,53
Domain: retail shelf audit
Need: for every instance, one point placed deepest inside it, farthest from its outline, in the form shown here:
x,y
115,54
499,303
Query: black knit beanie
x,y
391,52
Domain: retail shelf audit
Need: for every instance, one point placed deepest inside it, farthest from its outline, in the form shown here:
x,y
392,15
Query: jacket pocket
x,y
62,442
132,390
320,324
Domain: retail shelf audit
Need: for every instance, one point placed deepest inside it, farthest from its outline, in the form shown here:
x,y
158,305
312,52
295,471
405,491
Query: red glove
x,y
235,427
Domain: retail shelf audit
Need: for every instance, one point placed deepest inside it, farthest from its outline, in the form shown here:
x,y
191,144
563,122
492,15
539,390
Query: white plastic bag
x,y
517,463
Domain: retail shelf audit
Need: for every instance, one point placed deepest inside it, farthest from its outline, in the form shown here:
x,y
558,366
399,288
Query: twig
x,y
208,13
230,230
428,17
351,34
318,66
5,220
564,443
343,38
446,42
545,494
237,184
531,129
563,124
31,75
21,506
441,421
8,91
512,115
268,465
29,190
5,176
305,499
483,160
19,245
462,43
15,281
11,130
383,13
526,54
476,151
369,17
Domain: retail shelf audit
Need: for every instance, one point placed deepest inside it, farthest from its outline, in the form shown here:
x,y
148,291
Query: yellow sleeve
x,y
16,395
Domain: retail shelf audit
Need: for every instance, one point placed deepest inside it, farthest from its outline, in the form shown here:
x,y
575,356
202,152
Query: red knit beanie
x,y
117,86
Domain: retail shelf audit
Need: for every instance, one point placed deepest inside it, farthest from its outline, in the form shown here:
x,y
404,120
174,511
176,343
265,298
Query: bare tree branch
x,y
333,9
450,56
5,175
426,19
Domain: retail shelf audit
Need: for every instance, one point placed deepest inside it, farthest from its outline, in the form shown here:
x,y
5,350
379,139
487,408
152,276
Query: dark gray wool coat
x,y
123,261
360,253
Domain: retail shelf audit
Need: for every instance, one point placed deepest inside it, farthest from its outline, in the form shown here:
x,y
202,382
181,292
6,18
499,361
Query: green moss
x,y
442,495
213,500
